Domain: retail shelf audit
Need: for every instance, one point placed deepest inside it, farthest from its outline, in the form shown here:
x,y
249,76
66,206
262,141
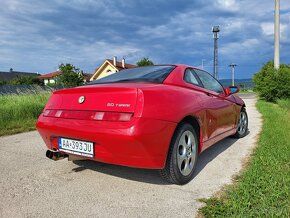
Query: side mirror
x,y
232,90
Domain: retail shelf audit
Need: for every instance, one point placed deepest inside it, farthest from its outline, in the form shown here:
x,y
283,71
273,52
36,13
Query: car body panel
x,y
157,109
140,143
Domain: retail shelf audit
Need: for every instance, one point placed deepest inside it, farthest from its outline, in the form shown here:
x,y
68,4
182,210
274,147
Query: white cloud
x,y
161,31
234,26
228,5
240,50
268,28
25,7
104,7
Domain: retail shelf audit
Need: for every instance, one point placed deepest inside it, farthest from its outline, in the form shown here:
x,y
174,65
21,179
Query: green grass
x,y
18,113
263,188
246,91
284,103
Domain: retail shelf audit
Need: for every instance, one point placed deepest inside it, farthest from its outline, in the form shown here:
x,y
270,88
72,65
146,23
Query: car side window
x,y
209,82
190,77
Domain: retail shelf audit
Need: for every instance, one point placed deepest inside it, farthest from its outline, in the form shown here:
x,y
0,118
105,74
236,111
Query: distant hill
x,y
8,76
242,83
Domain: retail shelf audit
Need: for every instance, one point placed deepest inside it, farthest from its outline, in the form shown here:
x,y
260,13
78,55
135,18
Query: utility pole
x,y
215,30
233,72
277,35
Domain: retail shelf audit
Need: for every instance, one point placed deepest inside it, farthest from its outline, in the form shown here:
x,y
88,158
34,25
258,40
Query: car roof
x,y
181,65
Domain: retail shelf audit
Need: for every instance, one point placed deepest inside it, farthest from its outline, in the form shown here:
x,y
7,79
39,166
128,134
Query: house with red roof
x,y
51,78
109,67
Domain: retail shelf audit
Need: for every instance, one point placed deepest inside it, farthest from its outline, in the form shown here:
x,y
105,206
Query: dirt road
x,y
33,186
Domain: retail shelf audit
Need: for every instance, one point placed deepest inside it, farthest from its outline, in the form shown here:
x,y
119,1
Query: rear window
x,y
156,74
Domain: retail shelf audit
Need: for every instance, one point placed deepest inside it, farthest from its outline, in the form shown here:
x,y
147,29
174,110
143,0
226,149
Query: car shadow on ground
x,y
152,176
212,152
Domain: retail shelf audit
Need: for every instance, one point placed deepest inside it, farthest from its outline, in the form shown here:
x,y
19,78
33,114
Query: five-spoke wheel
x,y
186,153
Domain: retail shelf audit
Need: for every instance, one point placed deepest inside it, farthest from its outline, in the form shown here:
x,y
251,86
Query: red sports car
x,y
157,117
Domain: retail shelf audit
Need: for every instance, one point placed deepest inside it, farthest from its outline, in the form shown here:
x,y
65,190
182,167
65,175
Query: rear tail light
x,y
112,116
89,115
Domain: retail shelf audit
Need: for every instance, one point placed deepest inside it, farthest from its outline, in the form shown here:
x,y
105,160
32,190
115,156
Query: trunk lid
x,y
95,98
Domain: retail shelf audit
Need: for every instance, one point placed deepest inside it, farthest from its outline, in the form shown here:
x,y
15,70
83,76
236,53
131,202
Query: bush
x,y
26,80
272,84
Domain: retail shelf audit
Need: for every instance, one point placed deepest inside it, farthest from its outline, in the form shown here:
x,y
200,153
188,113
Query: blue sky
x,y
36,36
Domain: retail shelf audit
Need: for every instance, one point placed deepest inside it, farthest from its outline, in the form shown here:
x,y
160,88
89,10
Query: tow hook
x,y
55,155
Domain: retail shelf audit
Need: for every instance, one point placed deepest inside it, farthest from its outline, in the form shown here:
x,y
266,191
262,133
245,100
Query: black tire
x,y
182,156
242,127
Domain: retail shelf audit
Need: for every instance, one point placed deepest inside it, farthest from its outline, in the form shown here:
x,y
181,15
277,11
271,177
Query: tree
x,y
144,62
273,84
70,76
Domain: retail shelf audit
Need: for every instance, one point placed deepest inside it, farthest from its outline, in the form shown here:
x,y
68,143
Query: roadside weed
x,y
18,113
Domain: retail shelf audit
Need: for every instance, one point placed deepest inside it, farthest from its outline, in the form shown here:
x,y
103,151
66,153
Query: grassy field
x,y
262,190
18,113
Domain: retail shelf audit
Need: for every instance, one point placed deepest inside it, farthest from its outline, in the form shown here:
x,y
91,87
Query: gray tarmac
x,y
31,185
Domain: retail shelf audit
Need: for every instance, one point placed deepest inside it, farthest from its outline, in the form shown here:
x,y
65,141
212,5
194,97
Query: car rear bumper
x,y
141,142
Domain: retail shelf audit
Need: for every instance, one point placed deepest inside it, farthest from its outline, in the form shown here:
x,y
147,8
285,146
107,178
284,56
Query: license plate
x,y
77,147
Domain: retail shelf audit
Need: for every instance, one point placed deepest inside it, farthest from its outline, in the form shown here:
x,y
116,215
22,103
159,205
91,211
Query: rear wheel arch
x,y
179,167
193,121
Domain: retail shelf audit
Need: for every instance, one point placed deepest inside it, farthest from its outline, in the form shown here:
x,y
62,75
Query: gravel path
x,y
33,186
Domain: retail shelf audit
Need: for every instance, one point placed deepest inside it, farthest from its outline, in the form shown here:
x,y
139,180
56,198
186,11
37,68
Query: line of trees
x,y
23,80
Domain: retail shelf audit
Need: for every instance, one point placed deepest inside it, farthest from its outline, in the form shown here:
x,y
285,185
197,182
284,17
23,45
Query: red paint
x,y
143,139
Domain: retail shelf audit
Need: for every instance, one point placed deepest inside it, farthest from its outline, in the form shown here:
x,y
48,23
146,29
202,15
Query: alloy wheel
x,y
186,153
242,126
